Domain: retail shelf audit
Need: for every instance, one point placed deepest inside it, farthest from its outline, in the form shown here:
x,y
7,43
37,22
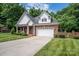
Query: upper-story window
x,y
44,20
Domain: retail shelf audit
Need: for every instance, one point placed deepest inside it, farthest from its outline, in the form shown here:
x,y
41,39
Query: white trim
x,y
23,15
30,23
44,15
27,29
21,18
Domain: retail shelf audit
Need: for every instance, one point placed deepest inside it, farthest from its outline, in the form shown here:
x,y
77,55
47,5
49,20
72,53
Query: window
x,y
44,20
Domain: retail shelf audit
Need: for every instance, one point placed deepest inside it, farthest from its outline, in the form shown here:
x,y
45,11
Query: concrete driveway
x,y
23,47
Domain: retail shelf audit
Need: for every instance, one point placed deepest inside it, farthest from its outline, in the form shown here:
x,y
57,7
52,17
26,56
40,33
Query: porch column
x,y
16,29
33,30
27,29
23,29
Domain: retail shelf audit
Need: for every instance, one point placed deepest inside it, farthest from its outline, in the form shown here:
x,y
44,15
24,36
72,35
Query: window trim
x,y
44,20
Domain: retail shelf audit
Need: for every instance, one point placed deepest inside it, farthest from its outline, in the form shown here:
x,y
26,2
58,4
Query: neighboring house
x,y
43,25
3,28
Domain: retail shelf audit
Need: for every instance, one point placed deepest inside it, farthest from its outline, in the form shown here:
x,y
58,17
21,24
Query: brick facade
x,y
32,30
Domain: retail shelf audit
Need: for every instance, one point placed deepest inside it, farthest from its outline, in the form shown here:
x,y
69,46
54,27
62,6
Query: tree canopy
x,y
69,18
35,12
10,13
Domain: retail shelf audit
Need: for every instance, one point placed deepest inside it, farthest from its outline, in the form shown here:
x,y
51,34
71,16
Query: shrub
x,y
18,33
76,37
13,30
23,33
56,36
60,36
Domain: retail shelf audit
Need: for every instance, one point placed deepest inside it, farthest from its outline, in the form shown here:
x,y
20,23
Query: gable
x,y
44,17
30,23
24,19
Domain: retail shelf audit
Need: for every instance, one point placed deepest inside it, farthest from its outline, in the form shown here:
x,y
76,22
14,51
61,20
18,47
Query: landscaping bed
x,y
60,47
8,37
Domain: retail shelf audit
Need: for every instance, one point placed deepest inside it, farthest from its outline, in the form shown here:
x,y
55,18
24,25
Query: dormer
x,y
44,18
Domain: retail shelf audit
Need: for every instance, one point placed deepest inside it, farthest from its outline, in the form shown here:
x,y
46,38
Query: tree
x,y
67,23
69,17
34,12
10,14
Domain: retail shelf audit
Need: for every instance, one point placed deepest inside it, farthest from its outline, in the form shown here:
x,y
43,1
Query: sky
x,y
47,6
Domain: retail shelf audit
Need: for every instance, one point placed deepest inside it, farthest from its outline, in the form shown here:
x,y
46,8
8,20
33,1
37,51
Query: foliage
x,y
67,23
23,33
9,23
13,30
1,25
35,12
18,33
69,17
76,37
10,13
61,36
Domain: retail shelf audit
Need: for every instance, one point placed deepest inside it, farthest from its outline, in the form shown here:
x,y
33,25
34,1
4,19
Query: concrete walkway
x,y
23,47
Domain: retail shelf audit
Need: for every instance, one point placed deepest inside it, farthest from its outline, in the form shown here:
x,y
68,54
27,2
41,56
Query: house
x,y
42,25
3,28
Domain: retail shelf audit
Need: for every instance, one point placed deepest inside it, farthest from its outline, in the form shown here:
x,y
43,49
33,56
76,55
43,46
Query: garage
x,y
45,32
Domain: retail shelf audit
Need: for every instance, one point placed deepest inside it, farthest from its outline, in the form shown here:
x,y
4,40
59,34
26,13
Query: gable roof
x,y
35,19
25,13
53,20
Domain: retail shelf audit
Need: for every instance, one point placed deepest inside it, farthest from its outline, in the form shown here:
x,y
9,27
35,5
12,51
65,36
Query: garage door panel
x,y
45,32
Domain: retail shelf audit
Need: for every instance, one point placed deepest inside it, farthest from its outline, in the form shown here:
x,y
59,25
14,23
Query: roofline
x,y
20,18
40,24
25,12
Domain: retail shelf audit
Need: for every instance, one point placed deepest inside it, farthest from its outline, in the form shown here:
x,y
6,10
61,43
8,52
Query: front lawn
x,y
60,47
8,37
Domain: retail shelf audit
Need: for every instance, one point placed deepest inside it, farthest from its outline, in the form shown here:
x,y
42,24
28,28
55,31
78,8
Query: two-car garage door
x,y
45,32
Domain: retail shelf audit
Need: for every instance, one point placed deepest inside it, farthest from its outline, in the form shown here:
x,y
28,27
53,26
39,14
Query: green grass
x,y
8,37
60,47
